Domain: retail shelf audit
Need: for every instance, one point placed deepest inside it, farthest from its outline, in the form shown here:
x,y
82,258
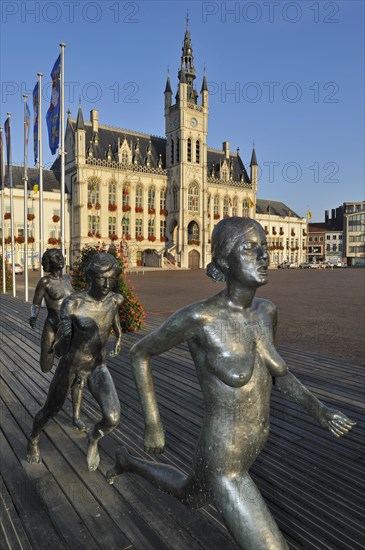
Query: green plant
x,y
8,278
131,313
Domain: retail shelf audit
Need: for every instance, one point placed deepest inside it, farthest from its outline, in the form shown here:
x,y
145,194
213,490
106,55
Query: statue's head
x,y
239,250
52,259
102,266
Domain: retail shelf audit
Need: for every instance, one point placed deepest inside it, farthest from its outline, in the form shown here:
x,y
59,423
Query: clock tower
x,y
186,126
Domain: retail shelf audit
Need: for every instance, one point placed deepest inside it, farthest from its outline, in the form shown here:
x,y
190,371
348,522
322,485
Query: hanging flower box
x,y
98,235
97,205
112,207
216,216
7,240
19,240
151,238
113,236
30,217
208,215
7,216
163,239
127,237
304,233
281,232
90,234
52,240
126,208
140,238
89,205
55,218
139,209
292,233
163,212
194,241
30,240
152,211
274,232
281,247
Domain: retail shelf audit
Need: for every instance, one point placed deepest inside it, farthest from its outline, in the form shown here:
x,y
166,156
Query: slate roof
x,y
276,208
215,158
51,178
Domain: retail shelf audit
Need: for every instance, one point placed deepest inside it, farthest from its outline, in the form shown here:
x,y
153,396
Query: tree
x,y
8,278
131,313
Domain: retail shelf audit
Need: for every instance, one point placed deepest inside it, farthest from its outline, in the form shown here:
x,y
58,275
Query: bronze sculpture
x,y
231,340
53,288
85,322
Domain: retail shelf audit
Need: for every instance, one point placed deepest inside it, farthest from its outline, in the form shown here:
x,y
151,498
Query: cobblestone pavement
x,y
319,311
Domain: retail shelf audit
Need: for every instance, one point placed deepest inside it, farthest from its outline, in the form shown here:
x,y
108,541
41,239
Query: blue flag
x,y
1,160
8,151
53,113
35,126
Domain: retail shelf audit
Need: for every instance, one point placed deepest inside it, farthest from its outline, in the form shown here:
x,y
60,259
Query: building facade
x,y
354,233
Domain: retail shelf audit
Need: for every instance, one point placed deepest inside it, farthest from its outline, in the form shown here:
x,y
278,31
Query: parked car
x,y
18,269
287,265
305,265
340,264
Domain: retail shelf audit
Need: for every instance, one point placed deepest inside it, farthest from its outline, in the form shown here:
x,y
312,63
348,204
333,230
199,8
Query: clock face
x,y
174,122
194,122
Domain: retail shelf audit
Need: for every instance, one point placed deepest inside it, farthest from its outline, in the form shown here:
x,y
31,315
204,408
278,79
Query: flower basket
x,y
97,205
226,216
89,205
7,216
163,239
304,233
139,209
208,215
30,217
126,208
19,240
30,240
98,235
194,241
139,238
217,216
274,232
292,233
55,218
163,212
90,234
281,232
112,207
127,237
52,240
266,231
152,211
152,238
7,240
113,236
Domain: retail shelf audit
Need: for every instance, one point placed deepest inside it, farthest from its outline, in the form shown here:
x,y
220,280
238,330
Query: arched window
x,y
124,157
112,193
126,194
235,207
193,198
93,190
216,206
139,196
178,150
163,199
93,224
112,225
151,227
175,202
172,151
226,202
197,152
193,233
245,208
125,226
139,225
151,200
189,150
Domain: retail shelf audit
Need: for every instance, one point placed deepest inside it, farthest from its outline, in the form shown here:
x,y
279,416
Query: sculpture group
x,y
231,338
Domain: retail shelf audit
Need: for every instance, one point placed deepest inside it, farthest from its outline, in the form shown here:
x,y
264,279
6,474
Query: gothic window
x,y
193,232
193,198
126,191
245,208
151,199
162,228
189,150
94,224
178,150
226,202
125,226
112,225
151,227
175,203
172,151
163,199
197,152
112,193
139,196
235,207
216,205
124,157
93,191
138,227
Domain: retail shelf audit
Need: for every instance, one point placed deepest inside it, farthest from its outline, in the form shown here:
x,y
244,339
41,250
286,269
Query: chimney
x,y
326,216
333,214
94,119
226,149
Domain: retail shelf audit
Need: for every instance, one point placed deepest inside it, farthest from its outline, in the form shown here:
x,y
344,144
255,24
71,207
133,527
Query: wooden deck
x,y
313,483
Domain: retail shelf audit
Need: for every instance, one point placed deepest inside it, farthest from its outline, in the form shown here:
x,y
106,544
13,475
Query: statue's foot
x,y
79,425
93,457
33,452
122,464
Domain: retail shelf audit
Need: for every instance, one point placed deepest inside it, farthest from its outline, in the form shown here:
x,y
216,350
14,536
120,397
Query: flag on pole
x,y
1,160
53,113
8,151
27,123
309,215
35,126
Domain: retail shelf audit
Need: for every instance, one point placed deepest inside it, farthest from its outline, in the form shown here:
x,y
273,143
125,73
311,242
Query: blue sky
x,y
287,75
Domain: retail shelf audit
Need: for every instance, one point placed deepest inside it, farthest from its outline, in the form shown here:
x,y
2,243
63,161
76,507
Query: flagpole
x,y
62,144
2,210
40,163
10,184
25,179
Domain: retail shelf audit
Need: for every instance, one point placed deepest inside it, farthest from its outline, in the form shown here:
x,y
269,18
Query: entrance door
x,y
194,258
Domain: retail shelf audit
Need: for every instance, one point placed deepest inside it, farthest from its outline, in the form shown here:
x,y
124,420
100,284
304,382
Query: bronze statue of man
x,y
86,319
231,337
53,288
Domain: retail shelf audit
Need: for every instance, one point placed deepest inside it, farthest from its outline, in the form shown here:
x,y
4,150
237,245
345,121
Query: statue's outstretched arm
x,y
117,328
178,328
335,421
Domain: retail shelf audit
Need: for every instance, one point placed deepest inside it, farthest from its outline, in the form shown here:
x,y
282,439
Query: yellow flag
x,y
309,215
35,188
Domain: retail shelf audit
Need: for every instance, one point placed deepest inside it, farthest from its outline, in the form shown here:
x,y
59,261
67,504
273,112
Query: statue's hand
x,y
33,321
118,347
335,421
65,328
154,438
